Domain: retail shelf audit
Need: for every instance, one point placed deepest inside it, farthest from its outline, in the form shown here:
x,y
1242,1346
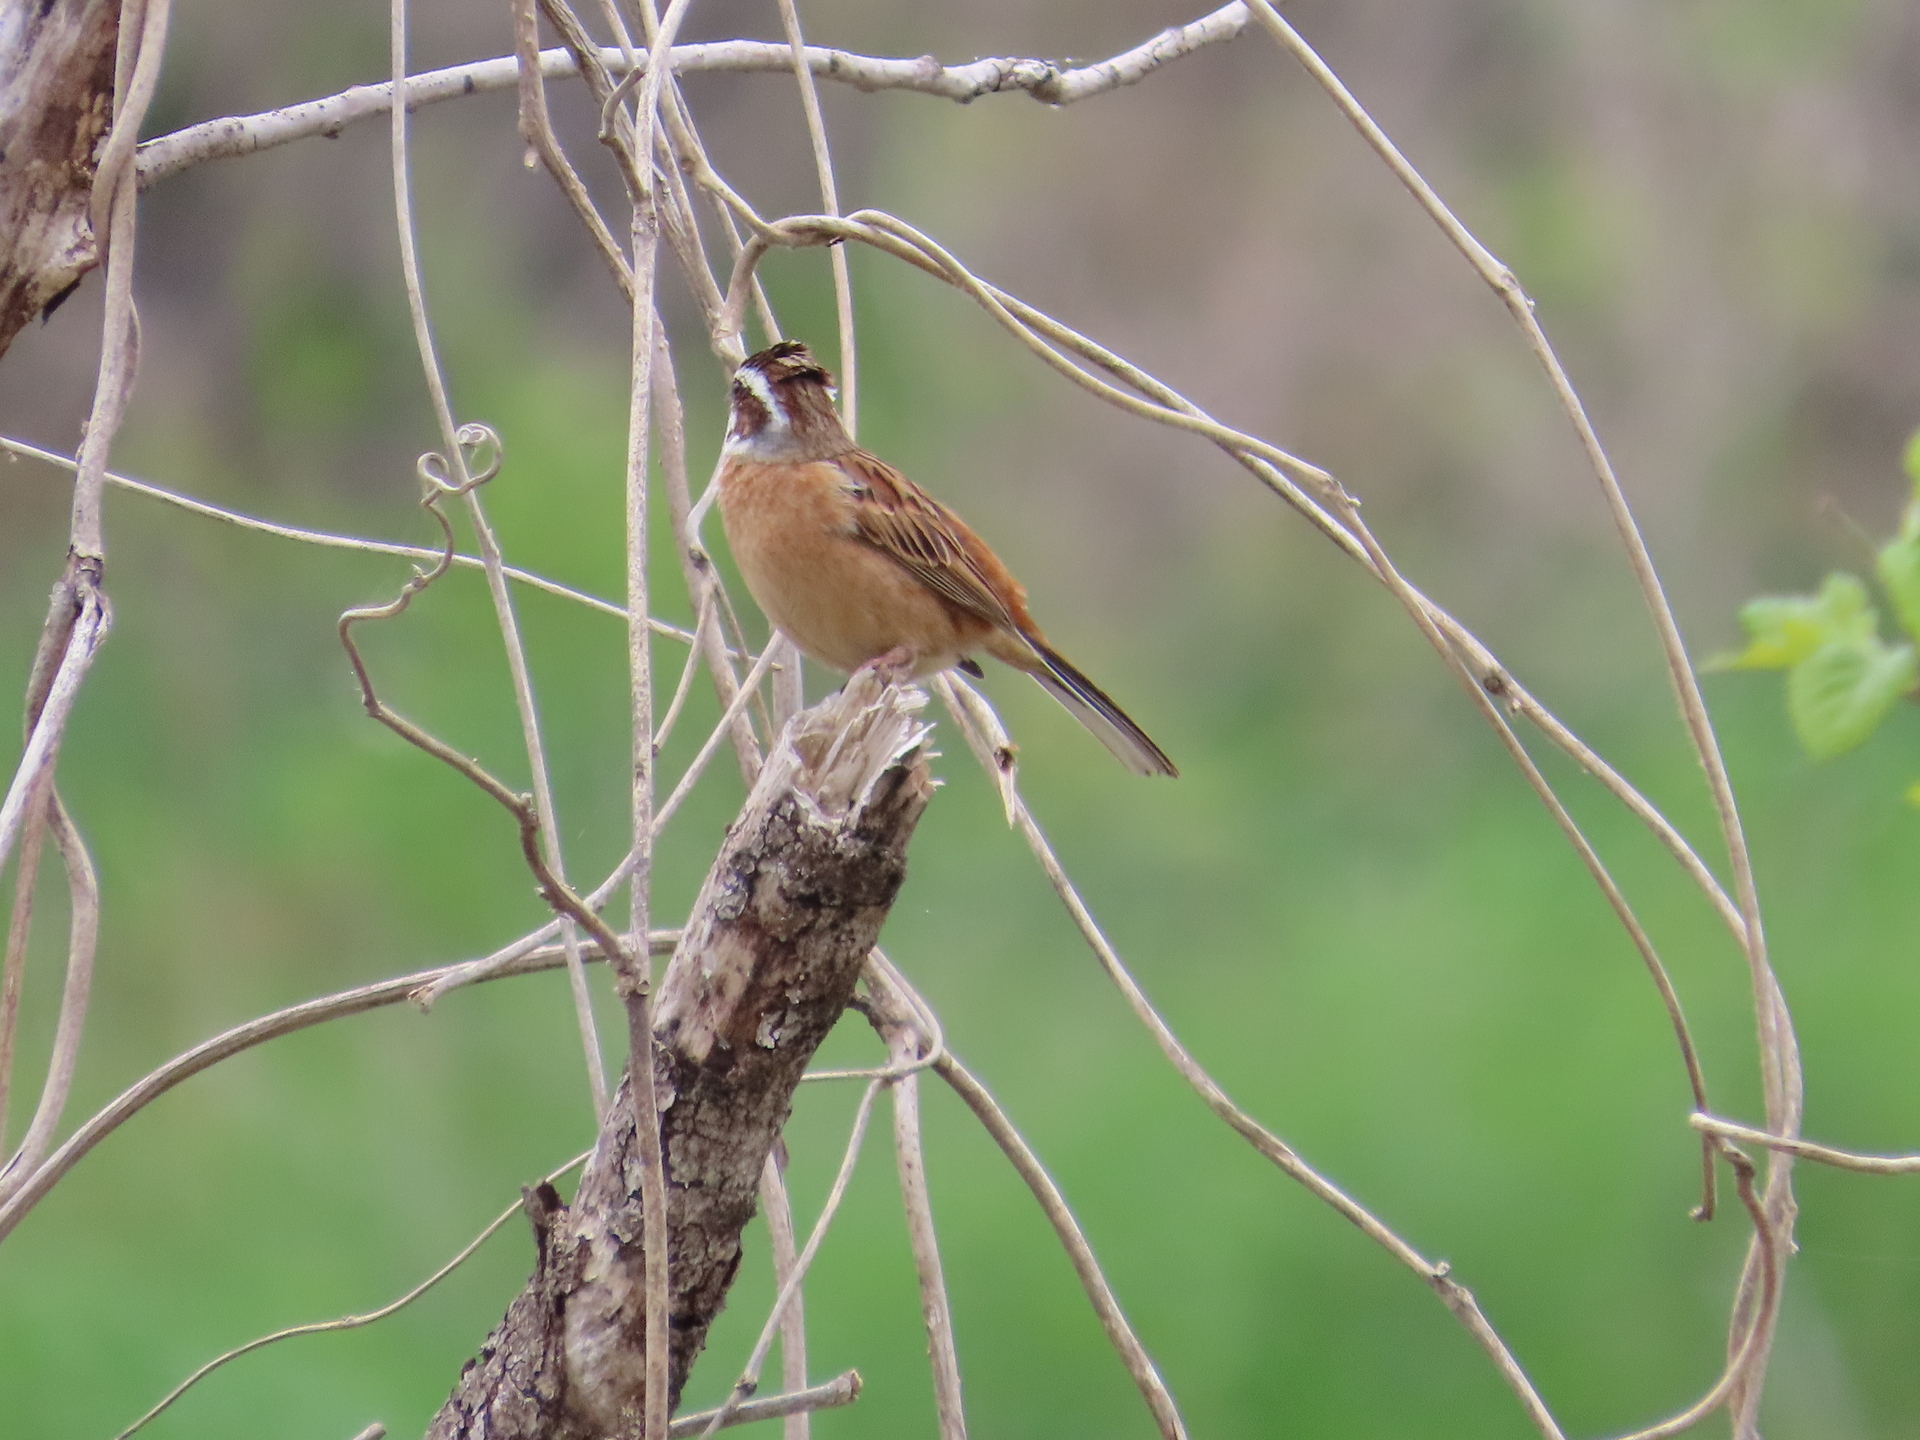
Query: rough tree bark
x,y
56,101
766,965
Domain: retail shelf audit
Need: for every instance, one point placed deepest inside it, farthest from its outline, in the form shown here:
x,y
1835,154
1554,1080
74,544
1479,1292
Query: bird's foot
x,y
893,668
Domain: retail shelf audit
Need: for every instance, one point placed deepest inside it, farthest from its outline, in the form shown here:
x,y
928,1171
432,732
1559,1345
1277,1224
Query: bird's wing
x,y
903,522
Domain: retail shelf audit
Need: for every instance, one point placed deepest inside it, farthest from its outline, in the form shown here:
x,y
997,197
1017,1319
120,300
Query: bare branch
x,y
750,1375
796,1404
1760,1280
1285,474
88,622
724,726
83,891
536,128
246,134
78,614
349,1322
13,970
696,567
1779,1051
113,214
644,328
455,438
554,889
343,542
1807,1149
1074,1241
500,961
905,1043
1280,469
240,1038
778,1213
830,201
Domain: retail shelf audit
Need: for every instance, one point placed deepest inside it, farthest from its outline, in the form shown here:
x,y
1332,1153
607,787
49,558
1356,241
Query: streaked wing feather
x,y
901,520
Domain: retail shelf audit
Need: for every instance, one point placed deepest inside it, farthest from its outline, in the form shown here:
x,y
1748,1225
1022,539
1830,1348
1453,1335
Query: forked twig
x,y
536,128
883,979
87,627
503,960
552,888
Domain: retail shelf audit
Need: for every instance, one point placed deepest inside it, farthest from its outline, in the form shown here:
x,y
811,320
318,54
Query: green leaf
x,y
1911,460
1913,795
1838,695
1784,630
1899,567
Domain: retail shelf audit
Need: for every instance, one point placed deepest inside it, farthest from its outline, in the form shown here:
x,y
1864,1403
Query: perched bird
x,y
857,565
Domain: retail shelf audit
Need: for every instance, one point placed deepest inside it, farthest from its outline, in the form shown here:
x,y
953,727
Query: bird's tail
x,y
1091,707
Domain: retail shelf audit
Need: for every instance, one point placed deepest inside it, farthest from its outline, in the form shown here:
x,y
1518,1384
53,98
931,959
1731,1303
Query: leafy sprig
x,y
1843,678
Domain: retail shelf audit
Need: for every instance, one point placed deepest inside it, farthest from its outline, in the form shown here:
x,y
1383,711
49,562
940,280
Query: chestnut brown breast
x,y
843,602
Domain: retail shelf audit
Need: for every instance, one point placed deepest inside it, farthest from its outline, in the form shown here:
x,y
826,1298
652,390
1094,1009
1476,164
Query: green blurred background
x,y
1349,905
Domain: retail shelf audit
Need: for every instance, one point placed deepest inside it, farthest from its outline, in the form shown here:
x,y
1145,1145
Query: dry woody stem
x,y
766,964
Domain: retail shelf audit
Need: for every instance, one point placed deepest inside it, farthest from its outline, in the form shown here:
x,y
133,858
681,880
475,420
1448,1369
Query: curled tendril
x,y
481,455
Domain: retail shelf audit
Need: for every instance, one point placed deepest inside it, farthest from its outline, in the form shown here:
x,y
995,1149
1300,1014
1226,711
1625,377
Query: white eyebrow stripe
x,y
763,392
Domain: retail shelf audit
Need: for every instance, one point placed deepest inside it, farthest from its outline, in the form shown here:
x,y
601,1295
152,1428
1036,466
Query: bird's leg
x,y
895,667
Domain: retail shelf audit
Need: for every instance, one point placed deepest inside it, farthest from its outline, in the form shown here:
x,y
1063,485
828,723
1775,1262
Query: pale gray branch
x,y
43,743
338,542
843,1389
229,1043
83,888
235,135
1808,1149
778,1213
905,1044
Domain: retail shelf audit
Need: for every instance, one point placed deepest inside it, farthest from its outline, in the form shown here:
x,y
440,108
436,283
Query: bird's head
x,y
781,408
